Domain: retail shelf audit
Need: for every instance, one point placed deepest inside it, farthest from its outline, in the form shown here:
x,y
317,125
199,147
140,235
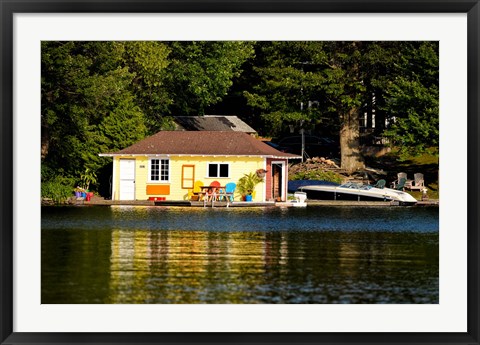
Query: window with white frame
x,y
159,170
218,170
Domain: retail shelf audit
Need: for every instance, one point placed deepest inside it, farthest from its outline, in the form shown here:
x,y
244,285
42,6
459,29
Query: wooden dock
x,y
232,204
188,203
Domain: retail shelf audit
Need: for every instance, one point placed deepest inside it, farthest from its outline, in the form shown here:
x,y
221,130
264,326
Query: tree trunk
x,y
45,144
352,159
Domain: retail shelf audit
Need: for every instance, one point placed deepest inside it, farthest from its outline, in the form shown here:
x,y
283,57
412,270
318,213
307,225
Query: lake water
x,y
318,254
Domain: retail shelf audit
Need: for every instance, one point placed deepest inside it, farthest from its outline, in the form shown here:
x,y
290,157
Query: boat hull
x,y
363,193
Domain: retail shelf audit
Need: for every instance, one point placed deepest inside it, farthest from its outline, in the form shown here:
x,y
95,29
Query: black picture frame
x,y
9,8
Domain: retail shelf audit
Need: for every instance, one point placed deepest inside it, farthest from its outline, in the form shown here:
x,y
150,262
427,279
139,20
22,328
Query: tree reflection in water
x,y
314,255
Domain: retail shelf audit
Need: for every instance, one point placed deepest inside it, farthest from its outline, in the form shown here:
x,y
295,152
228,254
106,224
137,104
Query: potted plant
x,y
78,192
87,178
246,185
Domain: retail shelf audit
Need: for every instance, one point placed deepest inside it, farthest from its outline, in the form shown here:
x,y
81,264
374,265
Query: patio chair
x,y
212,192
401,184
380,184
230,188
400,175
194,194
417,183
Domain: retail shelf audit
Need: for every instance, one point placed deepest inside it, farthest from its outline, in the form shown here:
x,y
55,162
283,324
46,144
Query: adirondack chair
x,y
230,188
212,192
399,178
193,194
401,184
380,184
417,183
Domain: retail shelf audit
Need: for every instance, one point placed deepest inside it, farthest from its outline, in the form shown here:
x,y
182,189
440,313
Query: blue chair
x,y
230,188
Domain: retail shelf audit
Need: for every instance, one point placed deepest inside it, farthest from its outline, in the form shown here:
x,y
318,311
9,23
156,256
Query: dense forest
x,y
100,97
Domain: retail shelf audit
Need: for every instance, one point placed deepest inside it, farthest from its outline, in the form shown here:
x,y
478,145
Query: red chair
x,y
212,192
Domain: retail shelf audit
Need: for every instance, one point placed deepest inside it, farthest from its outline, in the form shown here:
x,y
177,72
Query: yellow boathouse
x,y
170,164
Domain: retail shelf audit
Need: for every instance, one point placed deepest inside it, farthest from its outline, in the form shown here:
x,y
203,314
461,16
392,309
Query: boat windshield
x,y
354,185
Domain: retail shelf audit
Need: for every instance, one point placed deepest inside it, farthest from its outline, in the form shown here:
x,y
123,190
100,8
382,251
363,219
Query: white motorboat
x,y
357,191
300,198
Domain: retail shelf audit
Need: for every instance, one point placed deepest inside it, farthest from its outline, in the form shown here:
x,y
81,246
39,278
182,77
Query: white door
x,y
127,179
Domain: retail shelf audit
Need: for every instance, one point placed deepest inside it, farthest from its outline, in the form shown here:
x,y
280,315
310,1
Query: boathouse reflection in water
x,y
128,265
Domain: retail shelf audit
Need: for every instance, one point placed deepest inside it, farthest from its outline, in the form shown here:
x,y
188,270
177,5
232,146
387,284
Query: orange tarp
x,y
161,189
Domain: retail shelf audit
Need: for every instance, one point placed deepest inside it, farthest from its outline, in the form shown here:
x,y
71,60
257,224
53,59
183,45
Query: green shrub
x,y
58,189
317,175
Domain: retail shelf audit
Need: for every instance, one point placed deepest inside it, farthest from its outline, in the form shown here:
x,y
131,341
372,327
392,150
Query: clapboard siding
x,y
238,166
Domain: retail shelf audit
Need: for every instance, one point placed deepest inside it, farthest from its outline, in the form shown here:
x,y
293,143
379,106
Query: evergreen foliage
x,y
87,102
201,73
327,86
101,97
412,99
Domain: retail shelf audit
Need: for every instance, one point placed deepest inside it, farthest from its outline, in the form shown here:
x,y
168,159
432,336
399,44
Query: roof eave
x,y
191,155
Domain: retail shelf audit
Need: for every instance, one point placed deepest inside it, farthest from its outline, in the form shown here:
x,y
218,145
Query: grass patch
x,y
426,163
432,193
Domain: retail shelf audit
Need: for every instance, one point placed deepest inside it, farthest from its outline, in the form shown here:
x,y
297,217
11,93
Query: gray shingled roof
x,y
208,143
212,123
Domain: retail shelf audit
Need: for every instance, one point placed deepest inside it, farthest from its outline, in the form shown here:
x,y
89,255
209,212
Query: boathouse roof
x,y
202,143
212,123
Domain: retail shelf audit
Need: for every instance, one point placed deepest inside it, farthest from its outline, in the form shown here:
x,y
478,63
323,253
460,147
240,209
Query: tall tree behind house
x,y
341,78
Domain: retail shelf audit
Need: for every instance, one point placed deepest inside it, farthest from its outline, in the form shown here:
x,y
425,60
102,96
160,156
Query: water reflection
x,y
147,256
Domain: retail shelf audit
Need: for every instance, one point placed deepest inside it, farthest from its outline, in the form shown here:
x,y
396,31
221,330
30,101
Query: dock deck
x,y
188,203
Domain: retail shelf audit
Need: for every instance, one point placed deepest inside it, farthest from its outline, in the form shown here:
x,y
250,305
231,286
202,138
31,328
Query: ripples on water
x,y
239,255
